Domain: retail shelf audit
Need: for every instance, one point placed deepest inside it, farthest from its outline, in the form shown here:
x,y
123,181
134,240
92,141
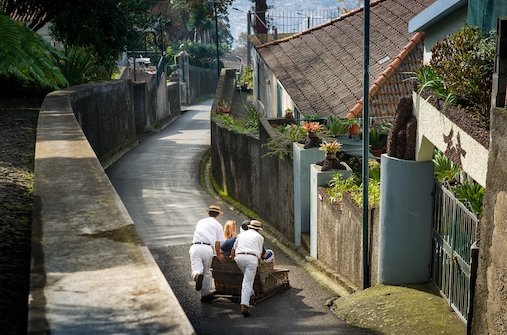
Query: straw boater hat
x,y
214,208
254,224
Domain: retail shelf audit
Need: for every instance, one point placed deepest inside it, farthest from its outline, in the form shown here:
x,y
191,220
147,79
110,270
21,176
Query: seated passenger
x,y
230,237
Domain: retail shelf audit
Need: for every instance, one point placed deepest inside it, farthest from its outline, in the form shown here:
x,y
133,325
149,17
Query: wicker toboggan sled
x,y
269,280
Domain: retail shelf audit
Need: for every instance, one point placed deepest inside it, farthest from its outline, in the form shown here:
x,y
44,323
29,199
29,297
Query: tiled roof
x,y
322,68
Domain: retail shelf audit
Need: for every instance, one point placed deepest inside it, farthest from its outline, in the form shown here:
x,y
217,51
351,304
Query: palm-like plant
x,y
26,55
445,170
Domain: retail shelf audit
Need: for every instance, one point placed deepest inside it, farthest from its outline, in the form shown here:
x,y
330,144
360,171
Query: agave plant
x,y
79,66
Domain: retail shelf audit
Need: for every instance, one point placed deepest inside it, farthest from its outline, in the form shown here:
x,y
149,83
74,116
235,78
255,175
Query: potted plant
x,y
353,126
289,113
312,130
378,139
246,79
336,126
223,107
331,161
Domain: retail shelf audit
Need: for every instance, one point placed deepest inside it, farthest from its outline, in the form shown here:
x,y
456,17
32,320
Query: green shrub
x,y
80,66
428,79
247,76
353,185
445,170
465,63
281,144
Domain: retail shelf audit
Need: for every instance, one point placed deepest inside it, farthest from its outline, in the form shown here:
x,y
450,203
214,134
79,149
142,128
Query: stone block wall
x,y
340,239
489,311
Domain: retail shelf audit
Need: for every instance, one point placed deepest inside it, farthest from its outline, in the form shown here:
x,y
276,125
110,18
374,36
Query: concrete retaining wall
x,y
105,113
91,273
202,83
155,104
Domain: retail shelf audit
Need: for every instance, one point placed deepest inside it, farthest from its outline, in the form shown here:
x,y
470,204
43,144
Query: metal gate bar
x,y
454,228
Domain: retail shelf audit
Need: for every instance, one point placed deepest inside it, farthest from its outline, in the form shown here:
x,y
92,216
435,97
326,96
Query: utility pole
x,y
216,37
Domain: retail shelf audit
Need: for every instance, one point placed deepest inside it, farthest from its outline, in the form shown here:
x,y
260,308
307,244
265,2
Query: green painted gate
x,y
454,229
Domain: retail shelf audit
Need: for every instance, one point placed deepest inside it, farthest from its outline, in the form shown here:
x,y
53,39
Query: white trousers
x,y
201,256
248,265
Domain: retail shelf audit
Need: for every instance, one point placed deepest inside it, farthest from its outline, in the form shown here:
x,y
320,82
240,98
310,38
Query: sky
x,y
313,11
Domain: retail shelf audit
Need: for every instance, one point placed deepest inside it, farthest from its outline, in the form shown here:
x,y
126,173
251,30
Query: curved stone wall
x,y
91,273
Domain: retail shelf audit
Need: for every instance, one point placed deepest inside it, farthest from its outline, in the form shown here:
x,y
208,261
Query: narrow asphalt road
x,y
158,182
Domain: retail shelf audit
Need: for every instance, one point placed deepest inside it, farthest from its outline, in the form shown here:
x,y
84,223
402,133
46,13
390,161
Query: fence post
x,y
474,262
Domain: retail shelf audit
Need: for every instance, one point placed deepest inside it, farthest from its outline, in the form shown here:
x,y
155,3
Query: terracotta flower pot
x,y
354,129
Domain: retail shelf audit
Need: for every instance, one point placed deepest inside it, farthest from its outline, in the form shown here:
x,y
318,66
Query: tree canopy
x,y
109,26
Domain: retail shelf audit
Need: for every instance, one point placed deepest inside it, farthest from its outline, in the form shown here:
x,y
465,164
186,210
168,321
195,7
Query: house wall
x,y
262,86
450,25
270,108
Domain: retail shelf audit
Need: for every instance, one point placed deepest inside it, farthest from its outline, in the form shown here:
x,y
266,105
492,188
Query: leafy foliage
x,y
281,144
428,79
247,76
249,125
106,26
465,63
79,66
353,185
378,135
252,120
24,54
337,126
472,195
469,193
445,170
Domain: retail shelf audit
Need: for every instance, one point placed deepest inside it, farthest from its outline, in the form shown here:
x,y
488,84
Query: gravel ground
x,y
18,120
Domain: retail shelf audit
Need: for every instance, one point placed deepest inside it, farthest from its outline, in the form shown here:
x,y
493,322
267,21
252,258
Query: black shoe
x,y
198,282
208,297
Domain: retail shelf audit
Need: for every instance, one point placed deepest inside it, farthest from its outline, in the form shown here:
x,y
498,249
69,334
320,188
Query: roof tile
x,y
322,68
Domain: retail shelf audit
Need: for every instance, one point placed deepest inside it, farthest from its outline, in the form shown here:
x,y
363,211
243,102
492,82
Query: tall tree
x,y
108,26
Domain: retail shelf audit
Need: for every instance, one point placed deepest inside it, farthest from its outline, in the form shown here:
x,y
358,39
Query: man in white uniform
x,y
246,252
208,235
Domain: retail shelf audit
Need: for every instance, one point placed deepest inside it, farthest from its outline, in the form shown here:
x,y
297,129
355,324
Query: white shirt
x,y
249,241
208,230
